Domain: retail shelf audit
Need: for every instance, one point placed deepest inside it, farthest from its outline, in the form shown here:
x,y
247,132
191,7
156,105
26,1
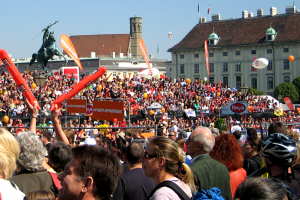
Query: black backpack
x,y
181,194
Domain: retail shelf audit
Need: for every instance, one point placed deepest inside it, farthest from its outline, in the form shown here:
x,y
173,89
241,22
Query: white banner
x,y
238,107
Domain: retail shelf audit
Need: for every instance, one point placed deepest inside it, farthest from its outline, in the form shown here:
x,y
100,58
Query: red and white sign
x,y
76,106
237,107
108,110
71,72
98,109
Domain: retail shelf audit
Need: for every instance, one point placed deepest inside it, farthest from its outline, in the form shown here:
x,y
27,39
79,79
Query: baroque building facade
x,y
234,44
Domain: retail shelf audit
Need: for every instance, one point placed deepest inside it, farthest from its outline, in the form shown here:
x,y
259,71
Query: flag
x,y
144,52
69,48
206,57
208,10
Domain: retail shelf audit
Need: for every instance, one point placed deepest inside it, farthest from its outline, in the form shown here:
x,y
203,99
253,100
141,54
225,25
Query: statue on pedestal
x,y
48,48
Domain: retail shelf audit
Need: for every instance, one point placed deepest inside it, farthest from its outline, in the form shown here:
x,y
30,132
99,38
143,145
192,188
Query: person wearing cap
x,y
280,153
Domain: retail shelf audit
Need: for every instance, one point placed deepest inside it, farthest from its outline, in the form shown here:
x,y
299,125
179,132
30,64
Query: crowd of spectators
x,y
111,162
183,104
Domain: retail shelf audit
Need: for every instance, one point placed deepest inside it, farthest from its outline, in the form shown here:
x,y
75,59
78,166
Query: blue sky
x,y
22,21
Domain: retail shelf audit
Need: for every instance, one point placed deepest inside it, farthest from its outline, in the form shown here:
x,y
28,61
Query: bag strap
x,y
55,180
182,195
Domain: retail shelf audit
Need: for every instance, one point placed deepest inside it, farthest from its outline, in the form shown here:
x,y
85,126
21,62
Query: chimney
x,y
202,20
250,14
291,10
260,12
216,17
273,11
245,14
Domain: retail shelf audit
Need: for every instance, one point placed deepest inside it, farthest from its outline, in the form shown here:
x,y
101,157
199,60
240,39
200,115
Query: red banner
x,y
206,57
289,103
108,110
76,106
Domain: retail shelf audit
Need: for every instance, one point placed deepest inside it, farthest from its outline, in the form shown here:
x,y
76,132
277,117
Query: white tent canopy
x,y
155,106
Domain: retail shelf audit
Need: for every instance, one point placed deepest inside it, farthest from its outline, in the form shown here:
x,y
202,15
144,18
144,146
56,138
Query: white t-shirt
x,y
166,193
8,191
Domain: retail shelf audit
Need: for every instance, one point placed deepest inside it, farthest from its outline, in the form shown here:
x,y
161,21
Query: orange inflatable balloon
x,y
99,88
291,58
145,95
188,81
5,119
33,86
151,112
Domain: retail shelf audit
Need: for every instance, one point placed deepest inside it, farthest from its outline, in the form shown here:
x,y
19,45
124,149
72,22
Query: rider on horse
x,y
48,49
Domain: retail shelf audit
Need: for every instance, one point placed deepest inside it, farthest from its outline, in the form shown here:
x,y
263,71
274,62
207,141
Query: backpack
x,y
208,194
181,194
56,183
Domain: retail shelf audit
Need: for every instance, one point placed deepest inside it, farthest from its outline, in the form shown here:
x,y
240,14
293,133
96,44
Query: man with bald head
x,y
208,172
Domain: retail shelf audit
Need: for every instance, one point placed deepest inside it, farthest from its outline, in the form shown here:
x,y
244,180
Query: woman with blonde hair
x,y
40,195
9,153
164,163
9,142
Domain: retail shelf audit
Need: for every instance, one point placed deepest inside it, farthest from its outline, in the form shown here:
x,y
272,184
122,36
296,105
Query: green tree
x,y
296,82
286,90
253,91
221,124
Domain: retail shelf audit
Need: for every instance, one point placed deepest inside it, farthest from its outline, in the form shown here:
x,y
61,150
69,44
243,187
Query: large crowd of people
x,y
183,104
187,156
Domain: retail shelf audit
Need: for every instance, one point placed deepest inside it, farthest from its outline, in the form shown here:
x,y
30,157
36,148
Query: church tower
x,y
135,36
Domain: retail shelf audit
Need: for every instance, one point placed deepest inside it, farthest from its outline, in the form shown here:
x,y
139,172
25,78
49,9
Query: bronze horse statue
x,y
48,49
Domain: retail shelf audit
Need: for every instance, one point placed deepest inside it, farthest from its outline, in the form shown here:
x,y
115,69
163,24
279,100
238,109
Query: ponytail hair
x,y
174,159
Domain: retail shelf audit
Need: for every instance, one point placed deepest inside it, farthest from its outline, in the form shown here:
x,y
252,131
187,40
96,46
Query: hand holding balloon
x,y
77,88
16,75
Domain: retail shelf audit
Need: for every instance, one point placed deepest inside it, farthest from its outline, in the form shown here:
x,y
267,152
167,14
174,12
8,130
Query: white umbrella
x,y
149,73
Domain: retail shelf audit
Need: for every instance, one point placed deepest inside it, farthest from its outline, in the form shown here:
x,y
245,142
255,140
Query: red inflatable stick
x,y
77,88
17,76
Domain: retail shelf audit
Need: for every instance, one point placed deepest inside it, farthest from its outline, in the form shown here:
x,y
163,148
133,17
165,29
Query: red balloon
x,y
18,78
77,88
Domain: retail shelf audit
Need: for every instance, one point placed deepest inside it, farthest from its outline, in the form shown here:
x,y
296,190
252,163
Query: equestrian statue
x,y
48,48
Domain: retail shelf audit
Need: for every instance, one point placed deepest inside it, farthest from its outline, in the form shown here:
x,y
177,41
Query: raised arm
x,y
57,126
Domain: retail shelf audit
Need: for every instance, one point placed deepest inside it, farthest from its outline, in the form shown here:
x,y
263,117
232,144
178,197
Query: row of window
x,y
238,81
237,53
238,67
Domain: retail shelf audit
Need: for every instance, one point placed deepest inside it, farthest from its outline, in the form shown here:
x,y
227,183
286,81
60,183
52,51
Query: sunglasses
x,y
149,156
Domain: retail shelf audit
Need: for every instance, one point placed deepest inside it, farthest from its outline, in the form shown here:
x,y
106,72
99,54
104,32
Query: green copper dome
x,y
213,36
271,31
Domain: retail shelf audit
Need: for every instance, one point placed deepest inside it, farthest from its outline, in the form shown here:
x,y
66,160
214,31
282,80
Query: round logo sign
x,y
237,107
